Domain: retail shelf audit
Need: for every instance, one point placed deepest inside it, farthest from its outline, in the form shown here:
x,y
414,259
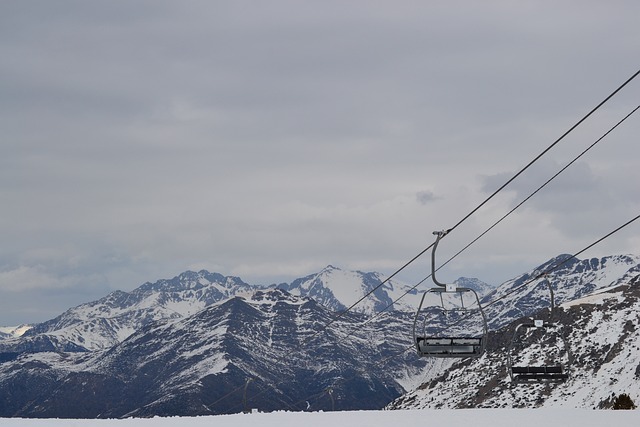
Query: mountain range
x,y
204,343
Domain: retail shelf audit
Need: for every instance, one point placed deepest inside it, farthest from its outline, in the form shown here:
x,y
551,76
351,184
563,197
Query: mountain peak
x,y
329,268
576,278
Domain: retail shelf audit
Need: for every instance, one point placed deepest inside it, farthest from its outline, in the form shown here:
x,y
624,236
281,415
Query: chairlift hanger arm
x,y
552,305
552,302
439,235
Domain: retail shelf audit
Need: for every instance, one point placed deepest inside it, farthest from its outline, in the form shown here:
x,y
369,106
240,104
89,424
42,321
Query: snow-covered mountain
x,y
596,340
193,344
575,278
481,288
7,332
339,289
267,342
103,323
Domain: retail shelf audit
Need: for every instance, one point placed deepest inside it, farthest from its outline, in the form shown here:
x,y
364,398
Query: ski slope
x,y
441,417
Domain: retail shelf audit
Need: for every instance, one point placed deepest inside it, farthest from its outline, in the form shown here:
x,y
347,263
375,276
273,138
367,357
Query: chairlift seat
x,y
538,373
449,346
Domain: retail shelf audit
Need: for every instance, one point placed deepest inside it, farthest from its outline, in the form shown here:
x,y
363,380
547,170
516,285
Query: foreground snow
x,y
444,417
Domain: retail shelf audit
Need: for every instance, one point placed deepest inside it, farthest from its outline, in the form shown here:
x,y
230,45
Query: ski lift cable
x,y
486,231
316,396
266,386
544,273
563,262
380,363
344,380
500,220
294,406
340,380
553,267
571,129
507,214
225,396
578,123
540,275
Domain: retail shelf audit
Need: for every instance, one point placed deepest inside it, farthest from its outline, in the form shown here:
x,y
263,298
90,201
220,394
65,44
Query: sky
x,y
266,140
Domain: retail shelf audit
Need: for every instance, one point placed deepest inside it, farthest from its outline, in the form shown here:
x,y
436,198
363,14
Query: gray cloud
x,y
268,140
425,197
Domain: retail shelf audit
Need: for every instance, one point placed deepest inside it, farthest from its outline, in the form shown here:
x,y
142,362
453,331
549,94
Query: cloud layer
x,y
267,140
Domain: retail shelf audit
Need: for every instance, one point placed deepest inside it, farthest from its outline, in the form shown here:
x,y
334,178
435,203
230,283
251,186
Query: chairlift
x,y
543,337
450,322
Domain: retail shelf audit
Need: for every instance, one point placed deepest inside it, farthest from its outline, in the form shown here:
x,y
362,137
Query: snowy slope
x,y
600,351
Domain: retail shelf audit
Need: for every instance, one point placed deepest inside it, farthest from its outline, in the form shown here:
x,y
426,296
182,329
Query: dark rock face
x,y
202,365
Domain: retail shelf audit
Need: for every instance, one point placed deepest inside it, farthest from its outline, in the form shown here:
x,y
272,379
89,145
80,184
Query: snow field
x,y
443,417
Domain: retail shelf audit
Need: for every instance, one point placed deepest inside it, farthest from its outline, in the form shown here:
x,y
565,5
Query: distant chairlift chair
x,y
538,373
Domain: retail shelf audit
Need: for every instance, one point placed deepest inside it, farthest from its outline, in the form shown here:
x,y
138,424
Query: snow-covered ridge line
x,y
100,324
575,279
15,331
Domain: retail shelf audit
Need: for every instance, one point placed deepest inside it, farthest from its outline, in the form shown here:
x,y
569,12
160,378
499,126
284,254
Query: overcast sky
x,y
268,139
